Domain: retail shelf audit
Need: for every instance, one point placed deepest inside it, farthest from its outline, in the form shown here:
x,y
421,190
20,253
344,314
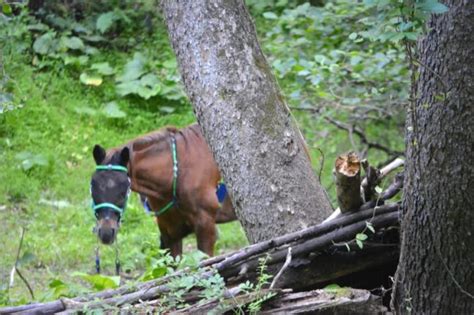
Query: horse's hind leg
x,y
205,230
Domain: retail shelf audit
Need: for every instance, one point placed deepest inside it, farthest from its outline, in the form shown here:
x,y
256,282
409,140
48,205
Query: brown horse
x,y
176,172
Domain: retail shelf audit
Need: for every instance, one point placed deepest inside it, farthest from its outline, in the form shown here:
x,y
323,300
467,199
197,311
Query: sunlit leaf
x,y
93,80
270,16
6,9
370,227
99,282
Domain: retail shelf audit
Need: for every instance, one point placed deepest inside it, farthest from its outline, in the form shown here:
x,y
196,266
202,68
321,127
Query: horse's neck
x,y
151,167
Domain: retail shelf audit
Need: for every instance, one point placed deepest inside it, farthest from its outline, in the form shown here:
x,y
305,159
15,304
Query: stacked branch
x,y
304,260
312,250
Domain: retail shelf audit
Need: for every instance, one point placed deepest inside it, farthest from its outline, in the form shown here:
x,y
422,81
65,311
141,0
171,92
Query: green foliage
x,y
67,83
158,263
398,20
262,281
99,282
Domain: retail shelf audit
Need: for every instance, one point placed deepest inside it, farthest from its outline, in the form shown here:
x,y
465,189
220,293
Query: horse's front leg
x,y
174,245
205,230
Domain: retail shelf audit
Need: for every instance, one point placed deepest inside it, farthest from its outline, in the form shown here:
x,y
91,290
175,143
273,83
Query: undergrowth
x,y
74,77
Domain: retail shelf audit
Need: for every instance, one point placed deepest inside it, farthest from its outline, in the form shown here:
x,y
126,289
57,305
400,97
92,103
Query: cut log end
x,y
348,164
347,175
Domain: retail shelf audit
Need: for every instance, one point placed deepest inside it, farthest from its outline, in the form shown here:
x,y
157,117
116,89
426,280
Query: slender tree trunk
x,y
244,118
436,270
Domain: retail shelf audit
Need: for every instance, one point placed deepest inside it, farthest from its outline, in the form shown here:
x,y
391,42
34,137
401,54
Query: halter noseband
x,y
115,208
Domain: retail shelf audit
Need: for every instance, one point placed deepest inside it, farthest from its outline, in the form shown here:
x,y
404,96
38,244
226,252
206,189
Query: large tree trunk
x,y
436,269
244,118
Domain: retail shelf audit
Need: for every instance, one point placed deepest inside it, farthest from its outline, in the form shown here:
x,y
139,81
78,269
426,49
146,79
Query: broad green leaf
x,y
370,227
270,16
333,286
150,80
353,36
360,244
432,6
103,68
99,282
44,43
74,43
93,80
133,69
28,160
105,21
6,9
128,87
378,189
112,110
146,92
361,236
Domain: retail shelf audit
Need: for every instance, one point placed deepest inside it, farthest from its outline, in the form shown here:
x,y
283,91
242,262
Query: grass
x,y
46,164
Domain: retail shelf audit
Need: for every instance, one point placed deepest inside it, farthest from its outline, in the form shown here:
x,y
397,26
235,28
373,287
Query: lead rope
x,y
117,260
97,258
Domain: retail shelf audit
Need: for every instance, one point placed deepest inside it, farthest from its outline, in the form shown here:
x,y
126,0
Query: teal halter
x,y
173,202
116,209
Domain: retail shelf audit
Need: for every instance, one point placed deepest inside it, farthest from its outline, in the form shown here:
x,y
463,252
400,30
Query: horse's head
x,y
110,187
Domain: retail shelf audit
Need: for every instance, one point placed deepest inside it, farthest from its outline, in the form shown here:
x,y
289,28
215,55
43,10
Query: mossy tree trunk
x,y
436,270
244,118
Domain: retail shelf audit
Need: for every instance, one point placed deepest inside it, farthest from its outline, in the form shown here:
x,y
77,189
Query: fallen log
x,y
340,301
320,248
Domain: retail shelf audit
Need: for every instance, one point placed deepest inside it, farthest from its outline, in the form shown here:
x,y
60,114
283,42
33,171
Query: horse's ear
x,y
124,156
99,154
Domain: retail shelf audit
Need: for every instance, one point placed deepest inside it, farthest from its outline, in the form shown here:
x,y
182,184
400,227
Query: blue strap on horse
x,y
221,191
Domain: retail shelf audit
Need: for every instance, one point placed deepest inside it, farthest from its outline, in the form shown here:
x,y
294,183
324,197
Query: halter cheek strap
x,y
173,201
115,208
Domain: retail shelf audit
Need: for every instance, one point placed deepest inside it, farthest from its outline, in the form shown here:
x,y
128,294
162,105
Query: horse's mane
x,y
145,141
153,137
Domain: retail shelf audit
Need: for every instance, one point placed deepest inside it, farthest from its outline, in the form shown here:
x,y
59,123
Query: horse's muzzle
x,y
107,234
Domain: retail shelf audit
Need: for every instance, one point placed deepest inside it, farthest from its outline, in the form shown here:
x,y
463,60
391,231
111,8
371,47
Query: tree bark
x,y
244,118
436,269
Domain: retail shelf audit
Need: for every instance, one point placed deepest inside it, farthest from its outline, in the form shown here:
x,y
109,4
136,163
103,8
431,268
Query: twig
x,y
15,267
283,268
322,163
